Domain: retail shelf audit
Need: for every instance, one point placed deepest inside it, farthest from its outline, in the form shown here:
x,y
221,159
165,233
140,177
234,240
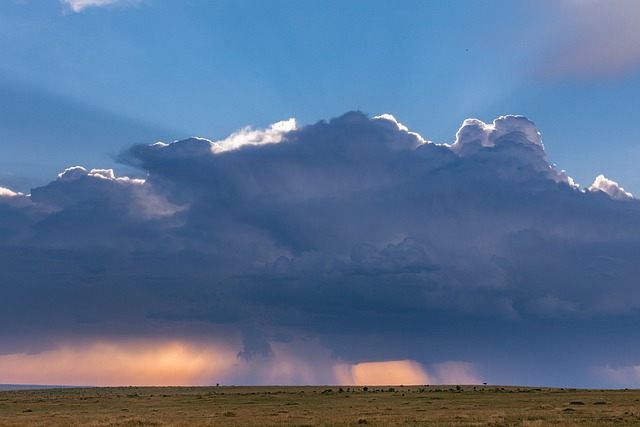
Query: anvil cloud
x,y
326,253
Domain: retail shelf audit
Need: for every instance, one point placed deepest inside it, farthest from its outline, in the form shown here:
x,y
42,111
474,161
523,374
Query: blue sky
x,y
163,218
77,87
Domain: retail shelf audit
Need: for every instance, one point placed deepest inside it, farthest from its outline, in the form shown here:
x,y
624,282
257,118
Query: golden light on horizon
x,y
394,372
152,363
176,362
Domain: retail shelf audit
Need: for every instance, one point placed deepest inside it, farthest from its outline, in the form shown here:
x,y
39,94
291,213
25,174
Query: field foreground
x,y
319,406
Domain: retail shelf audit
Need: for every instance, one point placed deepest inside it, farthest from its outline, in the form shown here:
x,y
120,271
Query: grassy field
x,y
319,406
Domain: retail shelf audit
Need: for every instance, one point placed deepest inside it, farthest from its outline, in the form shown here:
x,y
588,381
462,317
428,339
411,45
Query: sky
x,y
305,192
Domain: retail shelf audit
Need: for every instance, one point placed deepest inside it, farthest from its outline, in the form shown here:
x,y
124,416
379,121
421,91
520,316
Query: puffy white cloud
x,y
611,188
12,198
354,234
411,140
103,173
475,134
72,174
5,192
515,134
80,5
247,136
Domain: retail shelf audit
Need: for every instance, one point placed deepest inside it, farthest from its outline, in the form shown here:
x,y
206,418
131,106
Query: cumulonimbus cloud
x,y
353,238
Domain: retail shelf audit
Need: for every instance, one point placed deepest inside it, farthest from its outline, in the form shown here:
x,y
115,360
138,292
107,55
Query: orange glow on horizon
x,y
149,362
395,372
129,363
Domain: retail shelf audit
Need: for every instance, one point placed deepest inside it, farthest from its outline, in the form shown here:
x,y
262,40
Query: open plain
x,y
319,406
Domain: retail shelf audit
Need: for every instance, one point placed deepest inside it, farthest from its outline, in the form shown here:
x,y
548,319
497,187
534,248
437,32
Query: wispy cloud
x,y
80,5
597,39
624,376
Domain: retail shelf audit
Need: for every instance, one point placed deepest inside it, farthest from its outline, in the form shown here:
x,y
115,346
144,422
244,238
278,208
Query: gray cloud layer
x,y
354,232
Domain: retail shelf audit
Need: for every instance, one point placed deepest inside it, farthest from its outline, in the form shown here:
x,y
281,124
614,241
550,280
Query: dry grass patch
x,y
319,406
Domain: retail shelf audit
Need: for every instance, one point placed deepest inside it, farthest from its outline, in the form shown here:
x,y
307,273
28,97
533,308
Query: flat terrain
x,y
319,406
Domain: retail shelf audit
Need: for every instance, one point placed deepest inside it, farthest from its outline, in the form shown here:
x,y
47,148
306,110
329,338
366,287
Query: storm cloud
x,y
311,254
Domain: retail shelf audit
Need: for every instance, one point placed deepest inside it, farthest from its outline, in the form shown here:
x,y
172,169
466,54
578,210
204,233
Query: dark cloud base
x,y
353,232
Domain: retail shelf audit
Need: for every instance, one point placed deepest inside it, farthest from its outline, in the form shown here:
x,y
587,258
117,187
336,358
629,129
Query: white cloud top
x,y
611,188
72,173
475,134
247,136
5,192
414,139
80,5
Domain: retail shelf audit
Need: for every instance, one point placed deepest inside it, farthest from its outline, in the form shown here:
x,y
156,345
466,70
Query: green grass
x,y
319,406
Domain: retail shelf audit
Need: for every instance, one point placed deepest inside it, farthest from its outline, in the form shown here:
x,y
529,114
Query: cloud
x,y
626,376
80,5
406,372
12,198
599,39
611,188
475,134
248,136
324,252
5,192
454,372
552,307
175,362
